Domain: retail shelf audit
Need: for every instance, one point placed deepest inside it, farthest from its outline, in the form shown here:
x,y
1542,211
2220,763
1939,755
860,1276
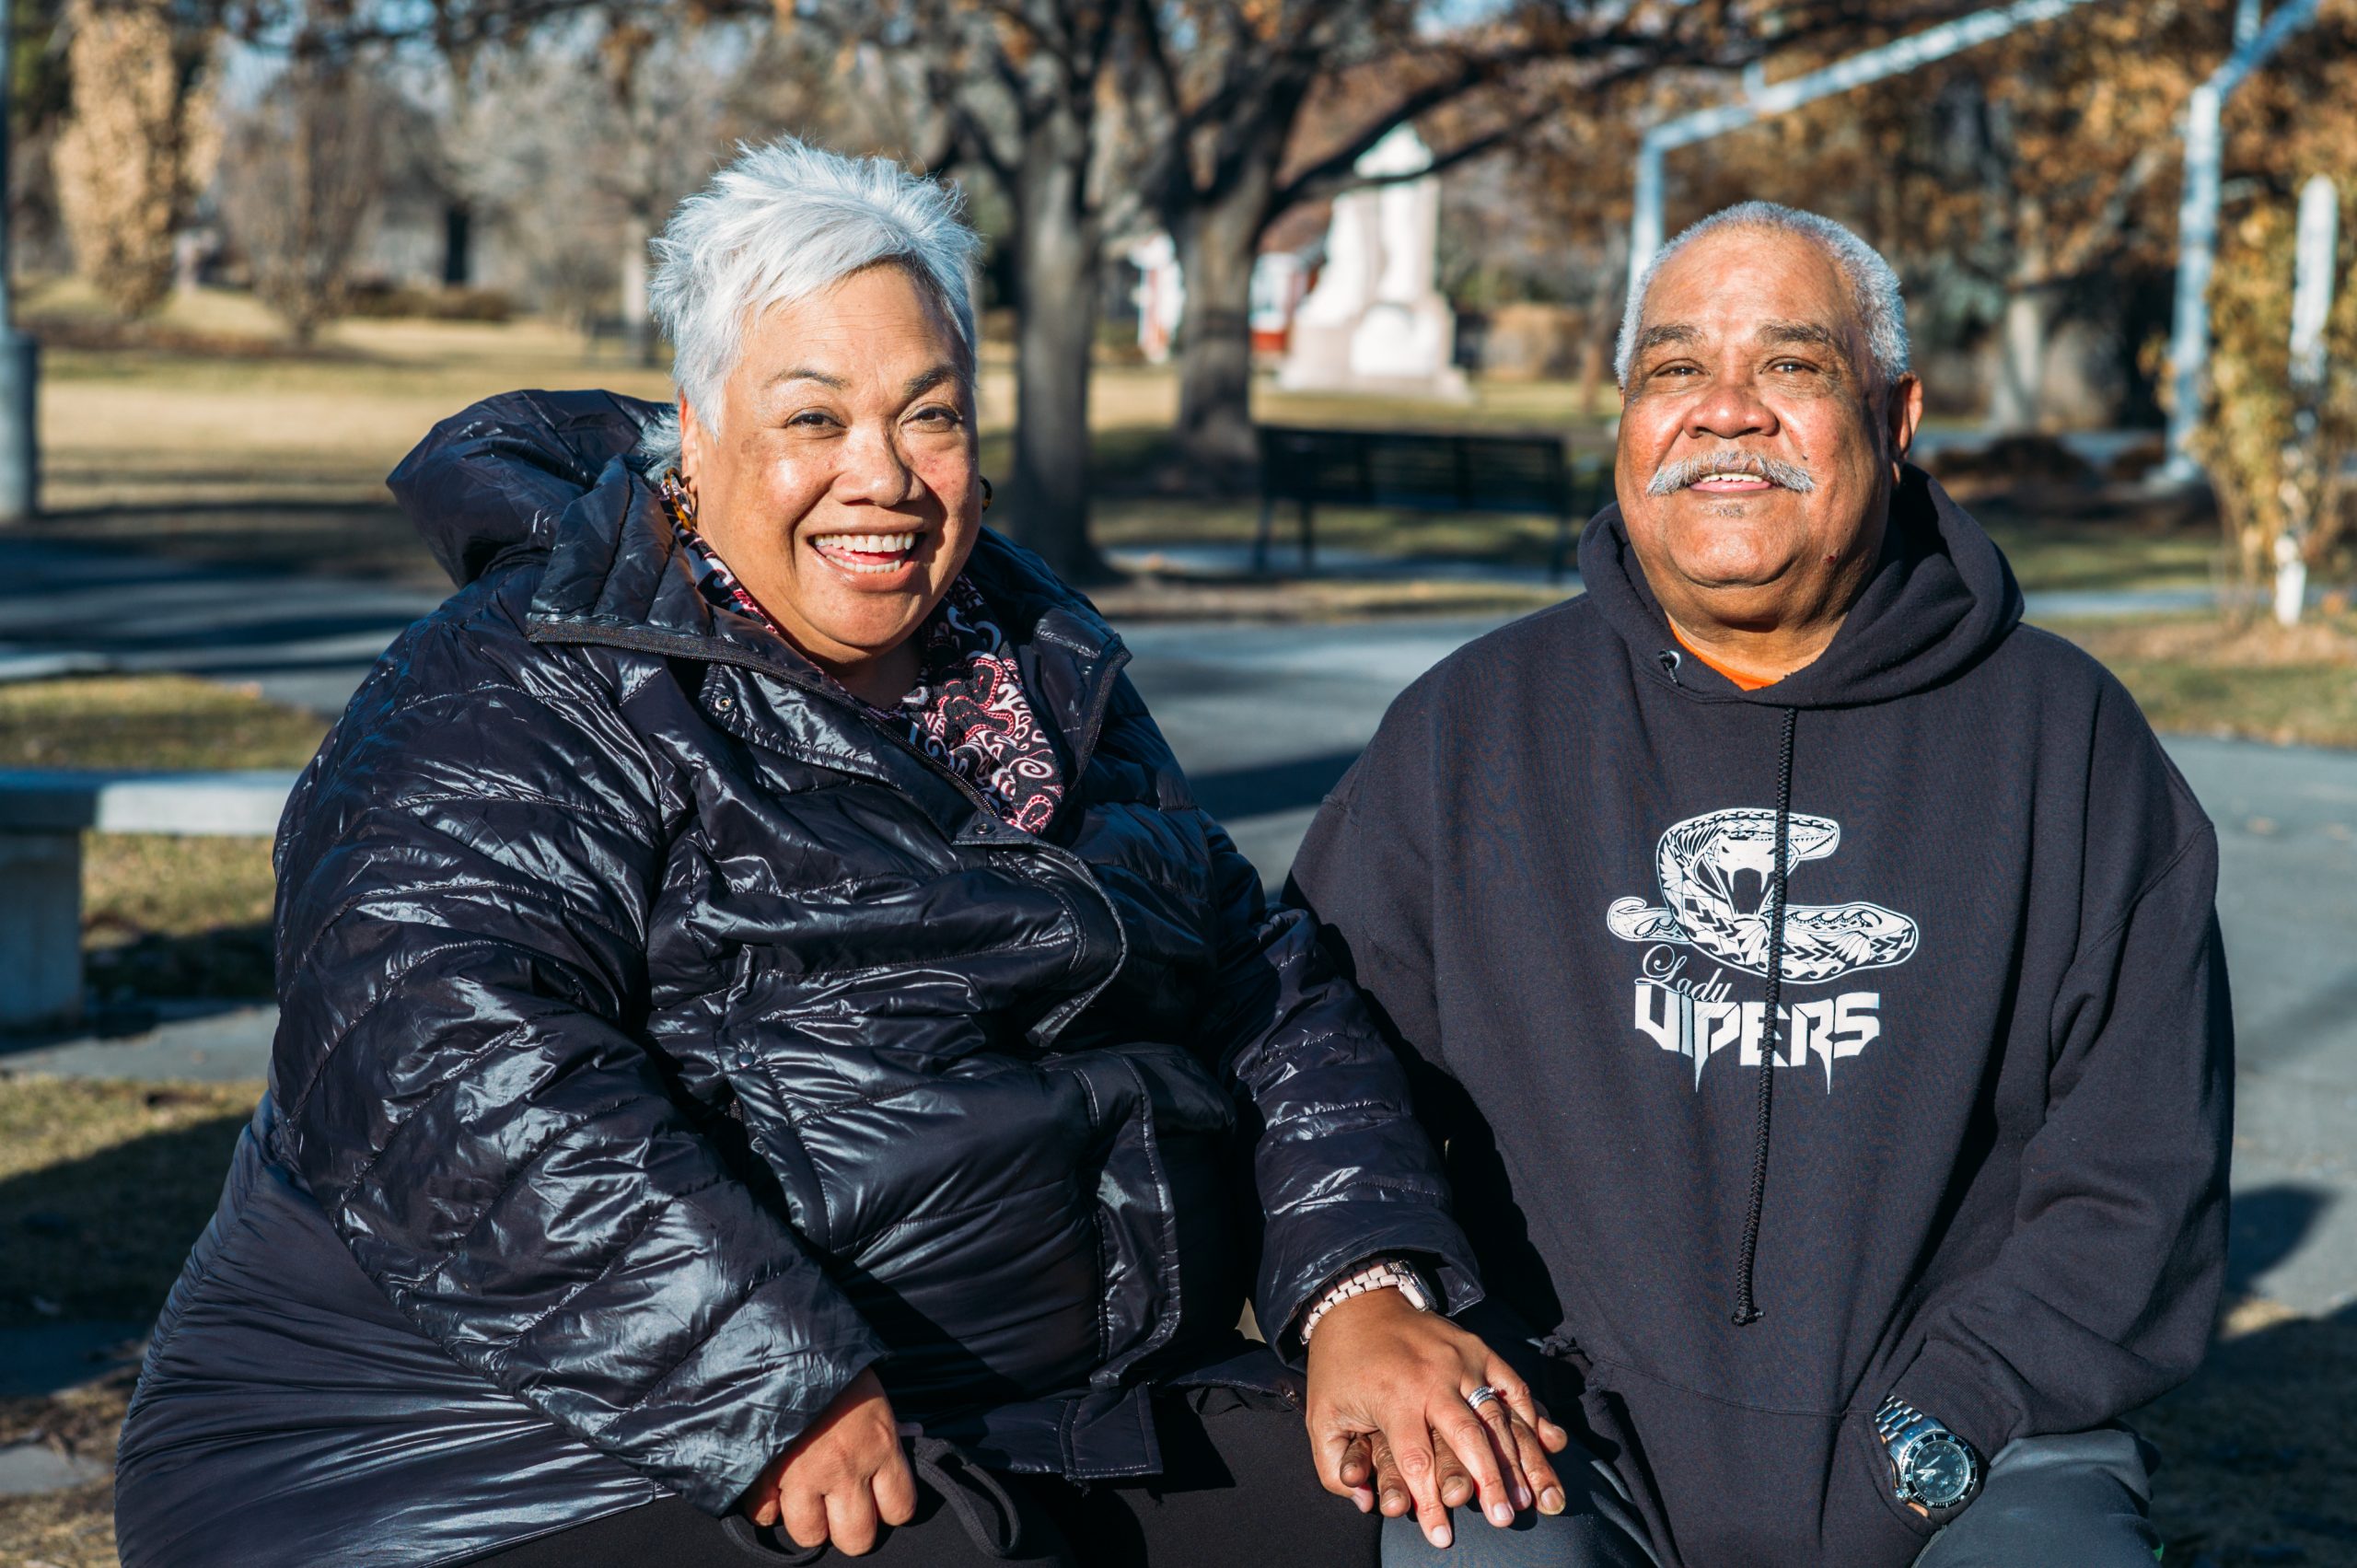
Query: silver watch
x,y
1929,1464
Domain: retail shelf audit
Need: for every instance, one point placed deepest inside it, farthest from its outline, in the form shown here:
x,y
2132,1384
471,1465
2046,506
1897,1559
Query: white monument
x,y
1160,296
1375,322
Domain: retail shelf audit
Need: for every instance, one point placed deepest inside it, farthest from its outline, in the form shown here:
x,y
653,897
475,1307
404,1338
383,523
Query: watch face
x,y
1940,1470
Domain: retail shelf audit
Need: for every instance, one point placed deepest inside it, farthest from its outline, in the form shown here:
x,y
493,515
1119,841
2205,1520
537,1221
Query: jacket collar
x,y
615,577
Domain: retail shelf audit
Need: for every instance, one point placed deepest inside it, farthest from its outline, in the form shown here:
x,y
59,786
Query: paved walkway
x,y
1236,559
308,640
304,641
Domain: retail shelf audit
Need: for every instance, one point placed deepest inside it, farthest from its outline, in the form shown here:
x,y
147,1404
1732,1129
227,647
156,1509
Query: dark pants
x,y
1237,1486
2078,1499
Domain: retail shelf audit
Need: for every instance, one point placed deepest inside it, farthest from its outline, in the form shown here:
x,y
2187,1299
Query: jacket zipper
x,y
1059,1019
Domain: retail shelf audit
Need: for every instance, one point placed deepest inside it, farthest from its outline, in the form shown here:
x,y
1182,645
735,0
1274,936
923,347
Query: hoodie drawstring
x,y
1747,1311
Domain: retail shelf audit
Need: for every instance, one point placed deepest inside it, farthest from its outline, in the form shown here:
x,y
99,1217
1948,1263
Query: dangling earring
x,y
986,492
679,499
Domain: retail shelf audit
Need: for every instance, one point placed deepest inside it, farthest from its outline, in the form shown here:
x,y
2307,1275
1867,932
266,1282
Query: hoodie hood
x,y
1940,600
495,478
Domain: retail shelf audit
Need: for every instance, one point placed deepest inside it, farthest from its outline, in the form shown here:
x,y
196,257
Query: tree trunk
x,y
1057,255
1600,334
2013,402
2021,332
638,328
1218,243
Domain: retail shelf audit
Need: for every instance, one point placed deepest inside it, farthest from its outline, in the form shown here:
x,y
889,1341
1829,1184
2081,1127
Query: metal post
x,y
1645,219
2196,256
1763,102
2320,235
20,356
2197,227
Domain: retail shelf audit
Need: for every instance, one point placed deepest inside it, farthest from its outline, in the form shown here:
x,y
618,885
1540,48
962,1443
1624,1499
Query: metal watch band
x,y
1903,1428
1390,1273
1897,1418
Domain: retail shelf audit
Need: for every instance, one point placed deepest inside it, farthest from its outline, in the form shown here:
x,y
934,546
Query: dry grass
x,y
150,721
59,1530
103,1185
169,427
2199,675
177,917
164,916
214,443
1152,596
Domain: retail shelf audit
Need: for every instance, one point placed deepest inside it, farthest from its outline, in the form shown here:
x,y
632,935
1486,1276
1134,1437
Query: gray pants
x,y
2079,1499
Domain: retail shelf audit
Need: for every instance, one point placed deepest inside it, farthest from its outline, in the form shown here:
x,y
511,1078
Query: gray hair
x,y
1873,285
783,222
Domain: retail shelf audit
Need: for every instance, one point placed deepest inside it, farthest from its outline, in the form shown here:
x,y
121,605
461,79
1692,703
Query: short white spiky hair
x,y
783,222
1871,282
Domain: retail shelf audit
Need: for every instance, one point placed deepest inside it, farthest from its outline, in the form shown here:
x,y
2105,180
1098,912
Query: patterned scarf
x,y
967,711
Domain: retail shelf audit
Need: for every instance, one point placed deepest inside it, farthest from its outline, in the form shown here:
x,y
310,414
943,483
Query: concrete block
x,y
51,800
40,929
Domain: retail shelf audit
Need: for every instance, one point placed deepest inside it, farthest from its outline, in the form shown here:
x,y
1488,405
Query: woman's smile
x,y
872,560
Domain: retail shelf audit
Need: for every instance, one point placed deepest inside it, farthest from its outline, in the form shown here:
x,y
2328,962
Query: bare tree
x,y
1265,108
577,145
304,166
1030,92
1088,114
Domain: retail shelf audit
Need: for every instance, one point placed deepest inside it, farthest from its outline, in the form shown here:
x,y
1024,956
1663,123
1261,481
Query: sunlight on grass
x,y
103,1186
162,915
265,455
2196,675
103,1189
63,1529
150,721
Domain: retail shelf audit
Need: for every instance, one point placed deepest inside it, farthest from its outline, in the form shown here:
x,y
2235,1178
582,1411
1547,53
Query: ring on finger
x,y
1481,1396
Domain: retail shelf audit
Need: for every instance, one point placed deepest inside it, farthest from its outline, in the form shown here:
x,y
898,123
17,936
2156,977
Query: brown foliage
x,y
2018,183
2251,411
137,145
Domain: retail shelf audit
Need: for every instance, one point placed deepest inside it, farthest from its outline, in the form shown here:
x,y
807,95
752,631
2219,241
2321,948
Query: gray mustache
x,y
1677,476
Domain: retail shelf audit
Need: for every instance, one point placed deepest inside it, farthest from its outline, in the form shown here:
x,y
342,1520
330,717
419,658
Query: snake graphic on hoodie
x,y
1992,1177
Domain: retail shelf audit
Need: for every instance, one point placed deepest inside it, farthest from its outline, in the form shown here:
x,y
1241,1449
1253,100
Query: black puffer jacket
x,y
662,1043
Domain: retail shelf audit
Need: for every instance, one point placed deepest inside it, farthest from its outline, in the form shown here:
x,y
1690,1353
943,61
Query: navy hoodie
x,y
1991,1176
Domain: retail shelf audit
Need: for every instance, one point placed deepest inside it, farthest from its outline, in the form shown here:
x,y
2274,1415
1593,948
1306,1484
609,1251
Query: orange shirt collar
x,y
1744,682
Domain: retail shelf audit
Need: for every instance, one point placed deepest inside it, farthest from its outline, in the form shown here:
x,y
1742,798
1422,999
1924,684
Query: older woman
x,y
772,1059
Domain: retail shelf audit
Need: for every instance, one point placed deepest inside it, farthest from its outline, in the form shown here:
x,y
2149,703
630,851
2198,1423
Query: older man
x,y
1851,1214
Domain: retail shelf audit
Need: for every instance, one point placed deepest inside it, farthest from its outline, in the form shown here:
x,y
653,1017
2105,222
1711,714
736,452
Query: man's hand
x,y
841,1479
1388,1415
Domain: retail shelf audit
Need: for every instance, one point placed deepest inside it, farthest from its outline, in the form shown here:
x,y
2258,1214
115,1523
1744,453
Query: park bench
x,y
599,331
43,815
1423,471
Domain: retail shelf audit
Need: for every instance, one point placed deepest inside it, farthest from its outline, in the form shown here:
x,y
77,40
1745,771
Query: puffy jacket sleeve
x,y
466,880
1344,1170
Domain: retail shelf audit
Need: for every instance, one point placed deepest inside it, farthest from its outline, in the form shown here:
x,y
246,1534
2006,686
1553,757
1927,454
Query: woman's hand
x,y
843,1479
1387,1411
